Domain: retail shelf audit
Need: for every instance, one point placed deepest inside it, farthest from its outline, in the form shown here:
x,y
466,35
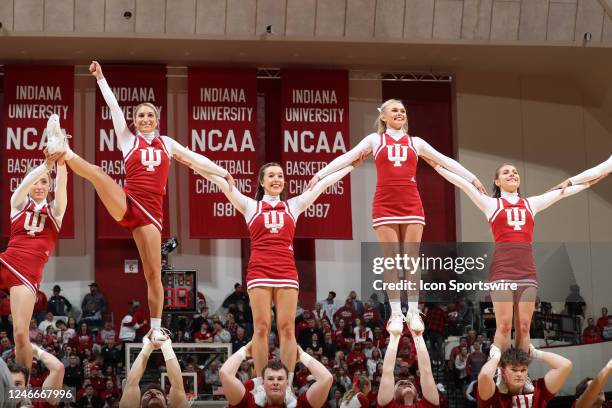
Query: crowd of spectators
x,y
348,337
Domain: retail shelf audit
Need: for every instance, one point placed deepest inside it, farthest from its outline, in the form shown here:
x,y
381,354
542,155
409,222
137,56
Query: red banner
x,y
131,85
223,127
31,95
315,129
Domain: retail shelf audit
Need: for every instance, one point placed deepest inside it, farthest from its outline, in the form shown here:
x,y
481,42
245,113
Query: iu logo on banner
x,y
150,158
274,220
516,218
34,222
398,154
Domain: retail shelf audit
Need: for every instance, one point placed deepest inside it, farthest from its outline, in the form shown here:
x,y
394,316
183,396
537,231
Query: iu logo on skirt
x,y
150,158
34,222
273,221
397,153
516,218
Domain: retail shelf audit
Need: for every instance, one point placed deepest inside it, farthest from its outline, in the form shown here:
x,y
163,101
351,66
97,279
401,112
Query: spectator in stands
x,y
319,313
40,307
591,333
305,336
373,362
205,334
455,352
201,318
107,332
460,364
380,338
244,372
89,399
356,360
435,325
57,304
127,332
379,307
346,312
220,334
574,303
109,392
34,330
230,324
91,316
6,348
356,304
111,354
336,397
244,316
344,379
329,346
42,327
371,316
94,302
238,295
140,317
361,332
475,361
240,339
607,331
316,345
211,374
603,319
471,337
85,339
72,323
328,305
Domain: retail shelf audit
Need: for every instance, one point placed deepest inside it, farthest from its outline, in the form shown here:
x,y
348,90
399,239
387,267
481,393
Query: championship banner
x,y
315,130
131,85
222,106
31,95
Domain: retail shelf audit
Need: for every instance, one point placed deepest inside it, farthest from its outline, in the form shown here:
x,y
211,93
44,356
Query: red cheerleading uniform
x,y
539,399
512,227
423,403
146,167
248,401
397,199
272,261
33,237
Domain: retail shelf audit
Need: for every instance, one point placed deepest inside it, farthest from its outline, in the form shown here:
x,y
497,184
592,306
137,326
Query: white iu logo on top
x,y
274,220
150,158
516,217
397,153
34,222
522,401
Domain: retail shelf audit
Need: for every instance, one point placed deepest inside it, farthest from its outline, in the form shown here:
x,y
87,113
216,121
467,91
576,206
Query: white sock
x,y
155,323
413,306
290,378
69,153
396,307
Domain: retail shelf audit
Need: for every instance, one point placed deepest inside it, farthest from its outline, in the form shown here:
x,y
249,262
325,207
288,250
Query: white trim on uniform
x,y
50,215
22,278
383,143
500,207
136,142
408,219
164,147
273,283
21,211
257,212
155,222
519,282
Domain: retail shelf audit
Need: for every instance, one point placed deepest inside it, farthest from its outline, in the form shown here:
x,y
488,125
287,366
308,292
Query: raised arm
x,y
387,381
300,203
61,196
426,150
191,159
124,136
176,395
543,201
591,174
318,392
232,387
428,384
486,385
595,387
238,200
560,370
485,203
340,162
21,192
131,390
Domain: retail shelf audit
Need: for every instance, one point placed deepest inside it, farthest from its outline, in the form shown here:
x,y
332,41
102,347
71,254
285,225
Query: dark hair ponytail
x,y
496,188
260,192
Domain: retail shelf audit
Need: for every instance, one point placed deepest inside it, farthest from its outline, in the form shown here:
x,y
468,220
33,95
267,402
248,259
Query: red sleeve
x,y
425,404
303,401
363,400
246,401
543,395
488,403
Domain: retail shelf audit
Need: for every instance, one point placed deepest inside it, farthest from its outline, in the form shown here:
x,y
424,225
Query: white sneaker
x,y
528,388
160,334
259,394
56,138
395,326
290,399
413,318
500,383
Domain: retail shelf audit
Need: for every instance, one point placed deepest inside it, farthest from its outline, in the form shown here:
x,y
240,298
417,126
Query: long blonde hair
x,y
155,111
359,386
380,125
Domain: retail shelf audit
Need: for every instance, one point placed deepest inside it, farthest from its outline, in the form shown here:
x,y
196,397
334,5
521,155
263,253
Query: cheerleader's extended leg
x,y
285,301
523,313
148,242
410,235
388,236
503,307
22,305
261,306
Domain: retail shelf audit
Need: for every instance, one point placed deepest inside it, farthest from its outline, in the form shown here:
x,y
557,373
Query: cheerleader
x,y
397,211
35,224
358,396
599,171
512,222
272,276
138,206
